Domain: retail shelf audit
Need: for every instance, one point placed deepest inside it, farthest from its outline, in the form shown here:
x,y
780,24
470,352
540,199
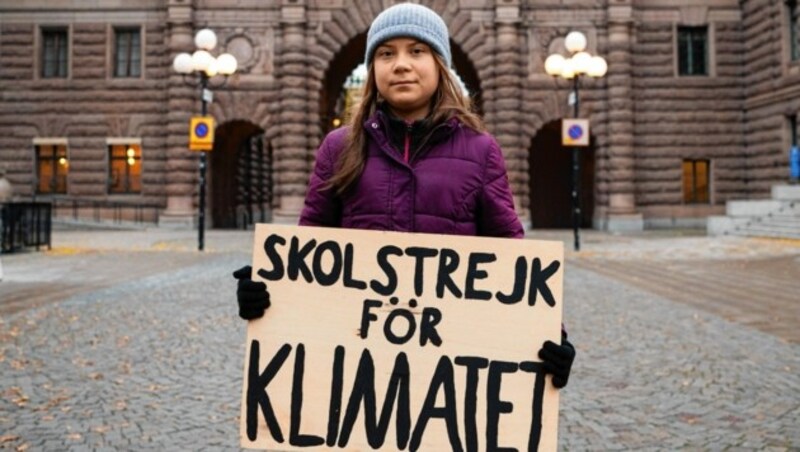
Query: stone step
x,y
783,213
772,220
751,208
775,227
772,228
786,192
786,214
766,232
776,217
787,221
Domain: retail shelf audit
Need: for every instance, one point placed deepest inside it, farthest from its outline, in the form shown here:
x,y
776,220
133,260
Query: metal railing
x,y
105,211
25,224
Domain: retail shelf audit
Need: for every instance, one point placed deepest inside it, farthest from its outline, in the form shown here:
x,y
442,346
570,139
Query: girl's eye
x,y
418,50
384,53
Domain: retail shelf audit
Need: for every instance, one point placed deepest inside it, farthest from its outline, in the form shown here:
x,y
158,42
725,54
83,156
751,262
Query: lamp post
x,y
572,68
204,66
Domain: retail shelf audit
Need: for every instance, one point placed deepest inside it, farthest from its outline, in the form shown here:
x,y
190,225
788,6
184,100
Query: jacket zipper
x,y
425,140
407,142
406,157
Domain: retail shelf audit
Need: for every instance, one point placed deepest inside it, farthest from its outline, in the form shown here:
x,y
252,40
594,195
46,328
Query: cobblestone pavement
x,y
132,342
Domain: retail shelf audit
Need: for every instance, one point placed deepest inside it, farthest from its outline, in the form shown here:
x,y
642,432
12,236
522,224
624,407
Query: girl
x,y
414,157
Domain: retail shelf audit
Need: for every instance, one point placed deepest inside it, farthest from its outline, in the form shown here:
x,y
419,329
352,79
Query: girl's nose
x,y
402,62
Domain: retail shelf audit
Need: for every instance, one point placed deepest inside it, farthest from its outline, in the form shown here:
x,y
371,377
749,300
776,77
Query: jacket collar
x,y
417,130
389,131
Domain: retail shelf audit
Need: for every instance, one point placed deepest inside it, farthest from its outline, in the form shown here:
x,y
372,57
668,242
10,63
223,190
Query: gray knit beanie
x,y
409,20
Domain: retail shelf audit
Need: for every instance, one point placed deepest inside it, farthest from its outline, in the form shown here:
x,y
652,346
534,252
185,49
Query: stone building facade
x,y
653,125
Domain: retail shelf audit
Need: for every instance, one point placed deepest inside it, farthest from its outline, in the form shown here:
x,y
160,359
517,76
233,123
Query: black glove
x,y
558,360
252,296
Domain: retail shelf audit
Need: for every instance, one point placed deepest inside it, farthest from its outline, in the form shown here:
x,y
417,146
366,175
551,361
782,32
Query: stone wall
x,y
544,99
772,89
645,118
86,108
687,117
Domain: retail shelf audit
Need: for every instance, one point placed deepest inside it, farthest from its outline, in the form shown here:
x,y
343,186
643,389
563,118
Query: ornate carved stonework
x,y
51,125
242,48
253,49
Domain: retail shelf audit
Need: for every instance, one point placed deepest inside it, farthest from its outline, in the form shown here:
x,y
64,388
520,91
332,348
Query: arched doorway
x,y
550,180
241,182
351,55
469,76
339,69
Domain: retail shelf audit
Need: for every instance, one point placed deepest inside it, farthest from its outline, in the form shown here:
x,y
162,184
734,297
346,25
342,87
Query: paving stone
x,y
151,359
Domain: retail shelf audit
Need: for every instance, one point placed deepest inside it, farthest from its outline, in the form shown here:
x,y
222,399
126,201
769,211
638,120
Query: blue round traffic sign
x,y
201,130
575,132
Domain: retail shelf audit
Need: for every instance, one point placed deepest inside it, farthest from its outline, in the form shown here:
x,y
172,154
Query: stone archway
x,y
342,65
241,176
313,63
550,180
469,75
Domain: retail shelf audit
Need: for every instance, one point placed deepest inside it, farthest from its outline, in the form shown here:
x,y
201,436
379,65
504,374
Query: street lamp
x,y
204,66
579,63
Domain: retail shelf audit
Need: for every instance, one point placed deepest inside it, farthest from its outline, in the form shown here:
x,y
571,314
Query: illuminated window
x,y
52,166
695,181
124,168
127,52
54,52
693,50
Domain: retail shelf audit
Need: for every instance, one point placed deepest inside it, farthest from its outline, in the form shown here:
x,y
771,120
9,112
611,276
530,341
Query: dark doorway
x,y
241,176
339,69
550,180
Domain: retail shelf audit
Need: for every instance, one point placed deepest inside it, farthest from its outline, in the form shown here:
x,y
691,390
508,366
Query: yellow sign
x,y
201,133
575,132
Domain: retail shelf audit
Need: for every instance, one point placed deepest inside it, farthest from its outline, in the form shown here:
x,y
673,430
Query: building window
x,y
127,52
693,50
52,166
54,52
793,19
695,181
124,168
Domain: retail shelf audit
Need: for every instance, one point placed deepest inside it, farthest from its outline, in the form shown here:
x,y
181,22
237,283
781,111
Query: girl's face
x,y
406,76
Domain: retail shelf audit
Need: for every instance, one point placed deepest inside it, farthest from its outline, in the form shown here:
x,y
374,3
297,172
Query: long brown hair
x,y
447,101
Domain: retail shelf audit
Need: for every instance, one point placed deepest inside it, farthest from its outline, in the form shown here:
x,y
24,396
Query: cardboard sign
x,y
398,341
201,133
575,132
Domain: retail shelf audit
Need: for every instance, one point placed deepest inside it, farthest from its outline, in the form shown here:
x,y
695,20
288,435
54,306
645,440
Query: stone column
x,y
291,145
620,214
508,100
182,164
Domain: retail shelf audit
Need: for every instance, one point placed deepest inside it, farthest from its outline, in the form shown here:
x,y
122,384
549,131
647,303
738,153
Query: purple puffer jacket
x,y
458,185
